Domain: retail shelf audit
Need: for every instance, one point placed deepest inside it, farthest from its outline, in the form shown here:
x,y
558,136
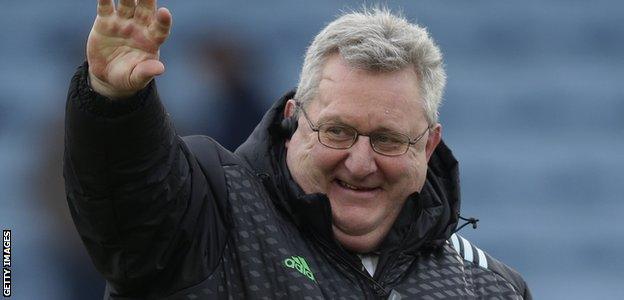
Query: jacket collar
x,y
427,219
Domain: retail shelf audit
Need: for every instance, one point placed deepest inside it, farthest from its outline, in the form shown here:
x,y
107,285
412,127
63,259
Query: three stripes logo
x,y
298,263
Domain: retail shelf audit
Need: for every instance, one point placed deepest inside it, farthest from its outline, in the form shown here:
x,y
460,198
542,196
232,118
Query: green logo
x,y
298,263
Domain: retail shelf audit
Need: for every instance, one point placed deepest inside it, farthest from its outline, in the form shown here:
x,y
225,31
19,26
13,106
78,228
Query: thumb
x,y
145,71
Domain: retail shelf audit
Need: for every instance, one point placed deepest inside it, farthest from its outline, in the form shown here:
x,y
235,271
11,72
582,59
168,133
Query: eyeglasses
x,y
340,136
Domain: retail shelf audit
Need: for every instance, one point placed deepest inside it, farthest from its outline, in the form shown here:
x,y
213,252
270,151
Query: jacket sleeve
x,y
149,217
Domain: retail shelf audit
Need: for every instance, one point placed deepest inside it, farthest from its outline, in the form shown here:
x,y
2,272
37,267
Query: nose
x,y
361,159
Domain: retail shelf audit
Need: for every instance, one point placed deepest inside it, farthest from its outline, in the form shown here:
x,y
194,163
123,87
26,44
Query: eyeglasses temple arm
x,y
314,128
413,142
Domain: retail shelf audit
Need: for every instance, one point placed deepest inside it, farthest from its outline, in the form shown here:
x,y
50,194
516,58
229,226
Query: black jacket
x,y
183,218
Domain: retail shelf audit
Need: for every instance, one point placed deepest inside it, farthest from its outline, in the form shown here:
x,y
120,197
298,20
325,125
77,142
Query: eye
x,y
388,141
337,132
389,138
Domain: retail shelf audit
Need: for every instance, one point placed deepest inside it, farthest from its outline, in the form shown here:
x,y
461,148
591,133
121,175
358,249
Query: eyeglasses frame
x,y
316,128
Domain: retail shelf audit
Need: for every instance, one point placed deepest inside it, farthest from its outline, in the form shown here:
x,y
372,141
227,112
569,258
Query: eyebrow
x,y
336,119
331,118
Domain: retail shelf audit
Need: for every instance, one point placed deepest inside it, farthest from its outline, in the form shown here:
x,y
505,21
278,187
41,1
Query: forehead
x,y
369,100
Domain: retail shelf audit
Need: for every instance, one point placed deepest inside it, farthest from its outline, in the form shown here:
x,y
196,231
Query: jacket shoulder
x,y
211,157
472,254
209,152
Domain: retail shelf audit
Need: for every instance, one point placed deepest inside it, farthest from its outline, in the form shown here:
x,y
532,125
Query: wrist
x,y
106,90
99,104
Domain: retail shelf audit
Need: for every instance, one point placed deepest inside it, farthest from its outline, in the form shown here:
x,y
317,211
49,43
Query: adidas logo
x,y
298,263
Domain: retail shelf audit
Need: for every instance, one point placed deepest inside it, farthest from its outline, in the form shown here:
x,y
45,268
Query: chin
x,y
352,228
356,231
360,244
357,219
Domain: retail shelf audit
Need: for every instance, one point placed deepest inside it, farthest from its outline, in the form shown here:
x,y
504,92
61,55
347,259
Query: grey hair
x,y
377,40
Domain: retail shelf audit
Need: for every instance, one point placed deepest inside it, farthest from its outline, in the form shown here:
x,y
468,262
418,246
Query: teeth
x,y
349,186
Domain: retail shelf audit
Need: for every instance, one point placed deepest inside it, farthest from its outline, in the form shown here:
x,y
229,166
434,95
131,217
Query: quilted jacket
x,y
166,217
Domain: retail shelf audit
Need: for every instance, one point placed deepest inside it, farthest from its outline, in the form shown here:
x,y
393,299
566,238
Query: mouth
x,y
353,187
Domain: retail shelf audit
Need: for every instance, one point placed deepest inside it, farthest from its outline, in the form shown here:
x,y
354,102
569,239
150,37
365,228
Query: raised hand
x,y
123,46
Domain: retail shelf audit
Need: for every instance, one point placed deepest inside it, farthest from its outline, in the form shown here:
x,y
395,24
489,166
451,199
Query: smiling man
x,y
366,178
344,189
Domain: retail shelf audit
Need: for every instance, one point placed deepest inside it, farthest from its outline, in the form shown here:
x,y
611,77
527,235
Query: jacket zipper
x,y
377,287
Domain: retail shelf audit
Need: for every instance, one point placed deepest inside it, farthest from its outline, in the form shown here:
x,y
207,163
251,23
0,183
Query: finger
x,y
105,8
149,5
126,8
145,11
145,71
143,16
160,29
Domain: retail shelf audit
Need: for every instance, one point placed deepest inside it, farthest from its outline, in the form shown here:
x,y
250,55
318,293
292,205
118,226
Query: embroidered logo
x,y
298,263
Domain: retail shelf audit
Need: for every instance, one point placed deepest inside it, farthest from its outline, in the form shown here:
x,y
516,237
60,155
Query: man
x,y
344,190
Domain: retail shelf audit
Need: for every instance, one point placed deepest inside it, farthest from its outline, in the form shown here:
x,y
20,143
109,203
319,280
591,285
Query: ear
x,y
289,109
435,135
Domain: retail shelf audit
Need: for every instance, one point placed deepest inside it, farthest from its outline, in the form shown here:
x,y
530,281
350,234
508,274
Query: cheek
x,y
418,173
322,165
406,175
326,159
314,155
313,163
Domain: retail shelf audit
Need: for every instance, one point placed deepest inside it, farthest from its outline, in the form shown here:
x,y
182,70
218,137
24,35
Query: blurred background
x,y
533,111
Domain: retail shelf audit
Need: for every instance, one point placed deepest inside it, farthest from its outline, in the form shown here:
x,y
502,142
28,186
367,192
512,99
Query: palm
x,y
123,46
